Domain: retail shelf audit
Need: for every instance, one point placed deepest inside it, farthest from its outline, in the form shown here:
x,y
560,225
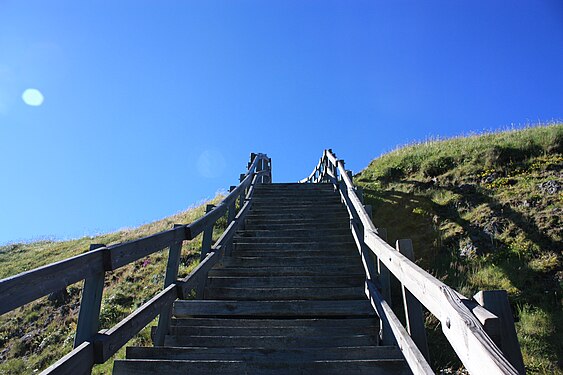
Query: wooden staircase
x,y
288,300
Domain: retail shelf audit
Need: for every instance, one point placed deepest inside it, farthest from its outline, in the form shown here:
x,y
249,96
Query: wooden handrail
x,y
26,287
464,331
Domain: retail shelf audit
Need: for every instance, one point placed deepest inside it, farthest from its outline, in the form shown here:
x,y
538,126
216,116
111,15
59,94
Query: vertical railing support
x,y
90,305
170,277
414,317
383,272
384,281
207,235
496,301
242,194
232,208
269,170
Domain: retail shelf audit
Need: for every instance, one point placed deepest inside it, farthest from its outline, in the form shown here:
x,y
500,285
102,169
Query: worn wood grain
x,y
194,279
90,305
125,253
272,308
28,286
413,356
413,309
78,362
349,367
497,302
262,355
110,341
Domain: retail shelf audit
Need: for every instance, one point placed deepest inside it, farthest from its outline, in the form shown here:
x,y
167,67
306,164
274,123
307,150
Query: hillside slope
x,y
34,336
484,212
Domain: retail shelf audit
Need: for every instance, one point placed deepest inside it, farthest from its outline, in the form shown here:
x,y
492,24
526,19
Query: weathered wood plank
x,y
289,261
125,253
207,220
194,279
77,362
296,244
413,356
496,301
109,342
259,354
207,238
326,322
90,305
413,309
483,356
272,342
170,277
272,308
300,330
27,286
469,340
285,281
284,293
349,367
335,270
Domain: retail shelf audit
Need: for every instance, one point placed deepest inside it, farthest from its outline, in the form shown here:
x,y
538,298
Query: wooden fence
x,y
92,346
481,331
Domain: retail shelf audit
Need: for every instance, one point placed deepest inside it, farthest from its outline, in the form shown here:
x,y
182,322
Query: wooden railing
x,y
481,331
92,346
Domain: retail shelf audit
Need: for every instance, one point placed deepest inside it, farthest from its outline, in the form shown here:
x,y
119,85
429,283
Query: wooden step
x,y
294,186
285,281
294,233
273,308
290,197
272,331
315,226
281,322
263,355
314,198
285,293
263,261
321,240
294,253
298,244
272,204
314,270
343,220
317,209
202,367
298,215
272,342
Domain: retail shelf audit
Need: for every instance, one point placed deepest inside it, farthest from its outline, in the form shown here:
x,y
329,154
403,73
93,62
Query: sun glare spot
x,y
33,97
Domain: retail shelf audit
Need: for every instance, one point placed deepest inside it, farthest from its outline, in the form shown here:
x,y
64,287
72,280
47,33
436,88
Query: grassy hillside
x,y
36,335
484,212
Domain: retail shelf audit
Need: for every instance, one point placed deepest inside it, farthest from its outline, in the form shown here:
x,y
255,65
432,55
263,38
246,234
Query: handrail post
x,y
242,193
232,208
207,235
90,305
231,214
269,170
170,277
384,276
413,308
496,301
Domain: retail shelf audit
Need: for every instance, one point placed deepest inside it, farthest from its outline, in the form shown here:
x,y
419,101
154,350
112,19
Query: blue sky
x,y
141,97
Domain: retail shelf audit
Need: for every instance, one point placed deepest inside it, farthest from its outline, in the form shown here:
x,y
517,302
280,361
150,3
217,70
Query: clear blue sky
x,y
140,96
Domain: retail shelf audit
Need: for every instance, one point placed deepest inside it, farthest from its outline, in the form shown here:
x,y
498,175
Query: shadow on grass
x,y
415,215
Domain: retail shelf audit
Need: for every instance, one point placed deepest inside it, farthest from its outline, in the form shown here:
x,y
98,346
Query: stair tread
x,y
227,367
289,298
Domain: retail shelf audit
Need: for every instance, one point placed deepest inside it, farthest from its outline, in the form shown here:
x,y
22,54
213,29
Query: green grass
x,y
479,220
34,336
